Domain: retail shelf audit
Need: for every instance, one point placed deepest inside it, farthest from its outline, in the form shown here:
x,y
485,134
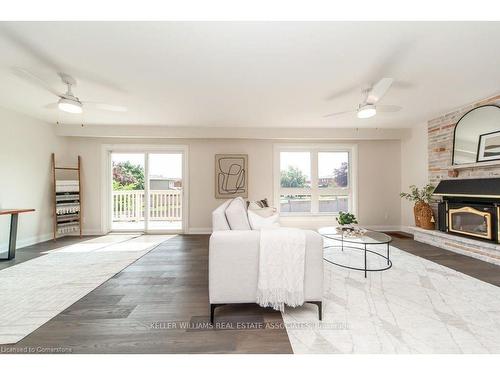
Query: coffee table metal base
x,y
365,268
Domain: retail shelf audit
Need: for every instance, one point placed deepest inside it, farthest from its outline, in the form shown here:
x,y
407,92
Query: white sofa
x,y
234,264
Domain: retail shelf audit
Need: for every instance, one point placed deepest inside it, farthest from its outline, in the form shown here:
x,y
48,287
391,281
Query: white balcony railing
x,y
128,205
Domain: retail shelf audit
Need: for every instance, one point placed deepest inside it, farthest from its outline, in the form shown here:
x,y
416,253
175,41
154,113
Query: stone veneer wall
x,y
440,145
440,148
487,251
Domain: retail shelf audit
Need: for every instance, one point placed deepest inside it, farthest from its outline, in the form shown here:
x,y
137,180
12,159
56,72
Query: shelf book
x,y
67,199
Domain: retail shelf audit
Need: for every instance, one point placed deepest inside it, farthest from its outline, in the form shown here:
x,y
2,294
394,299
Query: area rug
x,y
417,306
33,292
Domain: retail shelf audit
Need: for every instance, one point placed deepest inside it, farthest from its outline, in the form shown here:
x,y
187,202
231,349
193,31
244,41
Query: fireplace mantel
x,y
484,164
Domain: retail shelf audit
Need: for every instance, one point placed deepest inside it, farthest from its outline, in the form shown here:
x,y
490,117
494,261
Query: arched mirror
x,y
477,136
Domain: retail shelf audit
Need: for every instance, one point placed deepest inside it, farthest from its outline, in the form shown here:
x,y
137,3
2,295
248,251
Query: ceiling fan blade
x,y
388,108
338,113
105,107
379,90
33,79
342,92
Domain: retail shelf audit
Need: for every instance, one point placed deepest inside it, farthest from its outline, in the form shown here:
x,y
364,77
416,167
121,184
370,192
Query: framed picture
x,y
489,146
231,176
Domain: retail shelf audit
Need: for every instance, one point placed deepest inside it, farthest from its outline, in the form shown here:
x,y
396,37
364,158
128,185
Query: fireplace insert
x,y
470,208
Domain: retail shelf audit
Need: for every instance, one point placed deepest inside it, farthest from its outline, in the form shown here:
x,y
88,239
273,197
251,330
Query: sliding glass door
x,y
127,196
147,192
165,192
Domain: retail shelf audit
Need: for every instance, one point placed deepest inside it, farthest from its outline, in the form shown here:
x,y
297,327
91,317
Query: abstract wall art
x,y
231,176
489,146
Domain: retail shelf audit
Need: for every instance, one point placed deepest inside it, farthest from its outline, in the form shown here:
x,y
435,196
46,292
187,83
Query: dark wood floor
x,y
143,308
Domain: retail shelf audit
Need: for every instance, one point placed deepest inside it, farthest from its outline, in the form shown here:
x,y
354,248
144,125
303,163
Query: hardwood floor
x,y
146,307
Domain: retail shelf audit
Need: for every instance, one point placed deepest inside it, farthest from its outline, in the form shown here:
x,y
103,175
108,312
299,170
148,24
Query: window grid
x,y
314,191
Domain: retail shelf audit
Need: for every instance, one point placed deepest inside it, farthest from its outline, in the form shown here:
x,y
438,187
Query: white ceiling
x,y
250,74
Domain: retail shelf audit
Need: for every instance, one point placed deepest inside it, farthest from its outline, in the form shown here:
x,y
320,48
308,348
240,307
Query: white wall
x,y
383,167
26,176
413,168
379,177
378,183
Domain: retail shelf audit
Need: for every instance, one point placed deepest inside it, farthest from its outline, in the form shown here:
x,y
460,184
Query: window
x,y
314,180
295,169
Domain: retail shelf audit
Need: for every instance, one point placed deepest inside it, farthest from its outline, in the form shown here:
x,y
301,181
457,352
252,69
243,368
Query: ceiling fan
x,y
67,102
371,96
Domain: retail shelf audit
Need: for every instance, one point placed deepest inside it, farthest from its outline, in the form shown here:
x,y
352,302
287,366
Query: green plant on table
x,y
346,218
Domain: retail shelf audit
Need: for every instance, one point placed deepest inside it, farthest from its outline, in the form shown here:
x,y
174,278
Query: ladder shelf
x,y
67,195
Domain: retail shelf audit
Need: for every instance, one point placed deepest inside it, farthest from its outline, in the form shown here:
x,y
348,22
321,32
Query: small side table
x,y
14,215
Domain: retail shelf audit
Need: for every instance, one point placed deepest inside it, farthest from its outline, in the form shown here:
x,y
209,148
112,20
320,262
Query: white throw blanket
x,y
281,268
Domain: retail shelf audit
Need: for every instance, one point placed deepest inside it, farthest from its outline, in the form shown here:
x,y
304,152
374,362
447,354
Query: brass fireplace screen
x,y
468,220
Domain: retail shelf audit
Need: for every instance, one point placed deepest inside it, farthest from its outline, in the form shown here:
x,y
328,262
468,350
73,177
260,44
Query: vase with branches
x,y
422,210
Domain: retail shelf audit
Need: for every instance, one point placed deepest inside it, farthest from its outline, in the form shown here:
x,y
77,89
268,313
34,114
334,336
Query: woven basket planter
x,y
426,216
416,211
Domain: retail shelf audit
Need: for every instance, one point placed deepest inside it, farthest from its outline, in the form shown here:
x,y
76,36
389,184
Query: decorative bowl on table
x,y
351,230
347,224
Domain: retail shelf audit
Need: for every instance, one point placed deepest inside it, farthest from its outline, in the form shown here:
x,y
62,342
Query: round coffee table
x,y
357,243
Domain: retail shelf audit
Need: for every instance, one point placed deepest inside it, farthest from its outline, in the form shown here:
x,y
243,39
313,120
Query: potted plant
x,y
422,210
346,219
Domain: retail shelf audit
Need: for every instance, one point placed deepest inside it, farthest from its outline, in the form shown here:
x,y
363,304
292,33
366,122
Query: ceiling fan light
x,y
367,111
70,106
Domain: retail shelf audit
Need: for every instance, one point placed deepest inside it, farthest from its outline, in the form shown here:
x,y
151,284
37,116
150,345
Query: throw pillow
x,y
258,222
264,212
258,204
219,221
236,214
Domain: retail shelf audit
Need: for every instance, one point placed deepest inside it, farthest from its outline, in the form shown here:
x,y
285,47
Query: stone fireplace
x,y
468,216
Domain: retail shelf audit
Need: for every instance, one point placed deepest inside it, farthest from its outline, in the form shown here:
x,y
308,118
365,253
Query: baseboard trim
x,y
33,240
199,231
94,232
97,232
407,229
384,228
388,228
24,242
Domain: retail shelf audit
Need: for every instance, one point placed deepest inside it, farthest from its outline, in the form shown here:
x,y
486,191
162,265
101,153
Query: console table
x,y
14,215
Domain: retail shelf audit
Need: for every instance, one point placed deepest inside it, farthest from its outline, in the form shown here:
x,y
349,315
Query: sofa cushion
x,y
264,212
236,215
234,266
219,221
258,222
258,204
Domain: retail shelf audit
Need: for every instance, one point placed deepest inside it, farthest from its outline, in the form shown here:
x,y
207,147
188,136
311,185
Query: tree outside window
x,y
127,176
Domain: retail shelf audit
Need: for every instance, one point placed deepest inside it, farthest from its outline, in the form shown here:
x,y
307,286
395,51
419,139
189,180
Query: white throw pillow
x,y
253,206
219,221
236,215
258,222
264,212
